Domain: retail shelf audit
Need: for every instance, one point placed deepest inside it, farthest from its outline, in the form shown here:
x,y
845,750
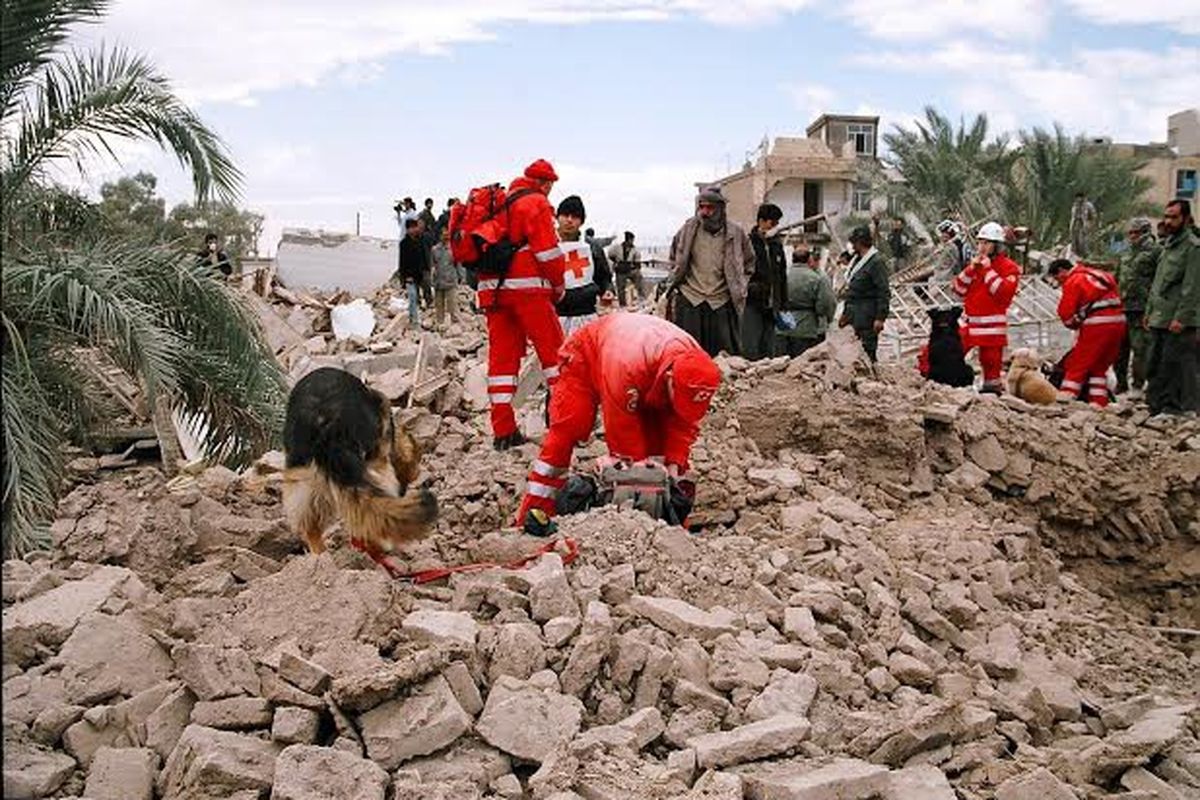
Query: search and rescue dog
x,y
346,458
947,363
1026,381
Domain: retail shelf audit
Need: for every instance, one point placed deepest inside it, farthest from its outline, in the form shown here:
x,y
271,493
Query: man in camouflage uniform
x,y
1135,276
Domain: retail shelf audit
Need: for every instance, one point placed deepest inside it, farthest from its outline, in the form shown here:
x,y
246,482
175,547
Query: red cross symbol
x,y
577,264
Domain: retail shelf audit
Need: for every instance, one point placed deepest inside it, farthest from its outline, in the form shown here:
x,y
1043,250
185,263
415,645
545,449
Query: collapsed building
x,y
891,589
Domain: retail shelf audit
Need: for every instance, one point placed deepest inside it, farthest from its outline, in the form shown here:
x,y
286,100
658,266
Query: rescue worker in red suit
x,y
652,383
520,305
987,286
1091,305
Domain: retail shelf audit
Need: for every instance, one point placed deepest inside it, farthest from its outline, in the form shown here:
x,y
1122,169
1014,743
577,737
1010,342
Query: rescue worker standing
x,y
765,287
1135,278
586,276
988,285
711,262
626,263
1172,317
867,293
650,380
1091,305
520,303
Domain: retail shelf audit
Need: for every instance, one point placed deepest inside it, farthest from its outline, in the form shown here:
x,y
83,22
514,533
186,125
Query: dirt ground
x,y
892,590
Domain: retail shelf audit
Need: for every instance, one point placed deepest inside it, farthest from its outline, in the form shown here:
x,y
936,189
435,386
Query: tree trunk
x,y
168,441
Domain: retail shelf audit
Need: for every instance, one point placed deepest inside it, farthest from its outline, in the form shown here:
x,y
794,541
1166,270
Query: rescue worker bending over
x,y
987,286
652,383
1091,305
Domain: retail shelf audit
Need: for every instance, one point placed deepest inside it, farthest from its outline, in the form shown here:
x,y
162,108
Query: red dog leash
x,y
566,547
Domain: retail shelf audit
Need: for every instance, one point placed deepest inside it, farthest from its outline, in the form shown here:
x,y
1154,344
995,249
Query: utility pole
x,y
358,223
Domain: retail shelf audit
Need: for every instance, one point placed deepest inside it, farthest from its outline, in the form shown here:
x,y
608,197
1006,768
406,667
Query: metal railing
x,y
1032,318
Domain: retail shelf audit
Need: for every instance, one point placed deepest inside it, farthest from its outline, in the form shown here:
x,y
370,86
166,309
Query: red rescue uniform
x,y
520,305
652,383
987,286
1091,304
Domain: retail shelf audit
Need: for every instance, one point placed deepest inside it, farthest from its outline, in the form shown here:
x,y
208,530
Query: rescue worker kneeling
x,y
652,383
1091,305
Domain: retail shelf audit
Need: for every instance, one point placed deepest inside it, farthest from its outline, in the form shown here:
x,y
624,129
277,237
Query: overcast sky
x,y
332,108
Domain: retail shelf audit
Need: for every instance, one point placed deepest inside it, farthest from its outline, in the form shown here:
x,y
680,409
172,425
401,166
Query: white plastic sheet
x,y
355,318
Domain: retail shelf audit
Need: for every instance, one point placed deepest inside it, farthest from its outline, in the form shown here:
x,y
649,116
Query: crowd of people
x,y
732,291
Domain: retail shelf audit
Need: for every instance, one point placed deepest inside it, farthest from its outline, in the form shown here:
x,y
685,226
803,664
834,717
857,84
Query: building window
x,y
863,137
1185,184
862,198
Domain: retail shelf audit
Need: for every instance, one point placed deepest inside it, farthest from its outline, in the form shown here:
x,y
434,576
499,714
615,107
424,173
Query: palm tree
x,y
1052,167
186,337
947,169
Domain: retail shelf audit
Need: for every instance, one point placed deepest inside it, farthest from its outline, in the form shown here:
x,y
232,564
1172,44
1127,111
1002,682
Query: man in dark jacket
x,y
586,275
214,257
765,289
1136,274
866,293
1173,317
414,268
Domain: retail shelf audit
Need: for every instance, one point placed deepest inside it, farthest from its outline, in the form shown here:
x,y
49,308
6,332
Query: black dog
x,y
346,458
946,361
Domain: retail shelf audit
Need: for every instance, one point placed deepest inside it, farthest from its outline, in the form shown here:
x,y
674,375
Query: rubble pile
x,y
893,591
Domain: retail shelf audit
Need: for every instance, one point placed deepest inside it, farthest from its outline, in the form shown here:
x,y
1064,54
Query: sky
x,y
333,109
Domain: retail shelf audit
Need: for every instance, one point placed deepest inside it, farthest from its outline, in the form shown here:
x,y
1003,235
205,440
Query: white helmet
x,y
991,232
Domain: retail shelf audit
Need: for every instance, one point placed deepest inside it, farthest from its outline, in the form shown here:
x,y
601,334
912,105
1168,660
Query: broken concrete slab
x,y
786,693
453,626
208,763
115,649
303,674
233,713
295,725
213,672
424,722
526,721
840,779
124,773
683,619
305,772
31,773
769,737
1039,783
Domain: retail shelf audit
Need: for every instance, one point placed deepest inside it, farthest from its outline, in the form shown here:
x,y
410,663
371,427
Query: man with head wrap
x,y
1135,275
711,264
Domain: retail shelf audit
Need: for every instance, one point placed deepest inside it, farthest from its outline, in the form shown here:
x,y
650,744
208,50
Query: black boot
x,y
514,439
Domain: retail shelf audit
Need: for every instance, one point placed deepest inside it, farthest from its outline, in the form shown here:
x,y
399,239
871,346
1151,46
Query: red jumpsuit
x,y
622,364
520,308
1091,304
987,287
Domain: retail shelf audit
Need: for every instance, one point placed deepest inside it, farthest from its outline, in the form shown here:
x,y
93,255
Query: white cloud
x,y
932,20
1119,92
1182,16
229,50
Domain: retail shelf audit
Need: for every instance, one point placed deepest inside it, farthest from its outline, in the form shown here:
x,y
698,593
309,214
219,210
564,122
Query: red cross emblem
x,y
577,264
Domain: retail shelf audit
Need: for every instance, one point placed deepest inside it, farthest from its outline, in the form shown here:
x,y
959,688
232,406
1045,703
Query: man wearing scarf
x,y
712,260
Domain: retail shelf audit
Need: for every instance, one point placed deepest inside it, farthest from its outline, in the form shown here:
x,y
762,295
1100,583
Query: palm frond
x,y
32,460
84,103
31,32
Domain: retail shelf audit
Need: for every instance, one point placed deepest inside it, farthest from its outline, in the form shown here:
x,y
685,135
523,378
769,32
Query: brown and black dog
x,y
346,458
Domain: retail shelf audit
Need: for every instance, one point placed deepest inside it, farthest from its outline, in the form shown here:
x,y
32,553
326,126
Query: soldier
x,y
1136,274
1172,315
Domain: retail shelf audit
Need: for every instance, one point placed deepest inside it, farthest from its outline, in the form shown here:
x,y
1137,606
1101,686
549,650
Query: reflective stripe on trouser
x,y
572,415
991,360
1087,364
512,324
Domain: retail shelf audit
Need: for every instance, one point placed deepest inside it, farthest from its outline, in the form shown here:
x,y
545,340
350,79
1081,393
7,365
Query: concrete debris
x,y
961,597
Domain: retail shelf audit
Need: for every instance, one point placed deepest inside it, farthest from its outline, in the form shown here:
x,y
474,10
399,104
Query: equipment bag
x,y
479,230
646,487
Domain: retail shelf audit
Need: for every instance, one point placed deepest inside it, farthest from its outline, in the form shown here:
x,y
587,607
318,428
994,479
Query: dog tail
x,y
384,521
